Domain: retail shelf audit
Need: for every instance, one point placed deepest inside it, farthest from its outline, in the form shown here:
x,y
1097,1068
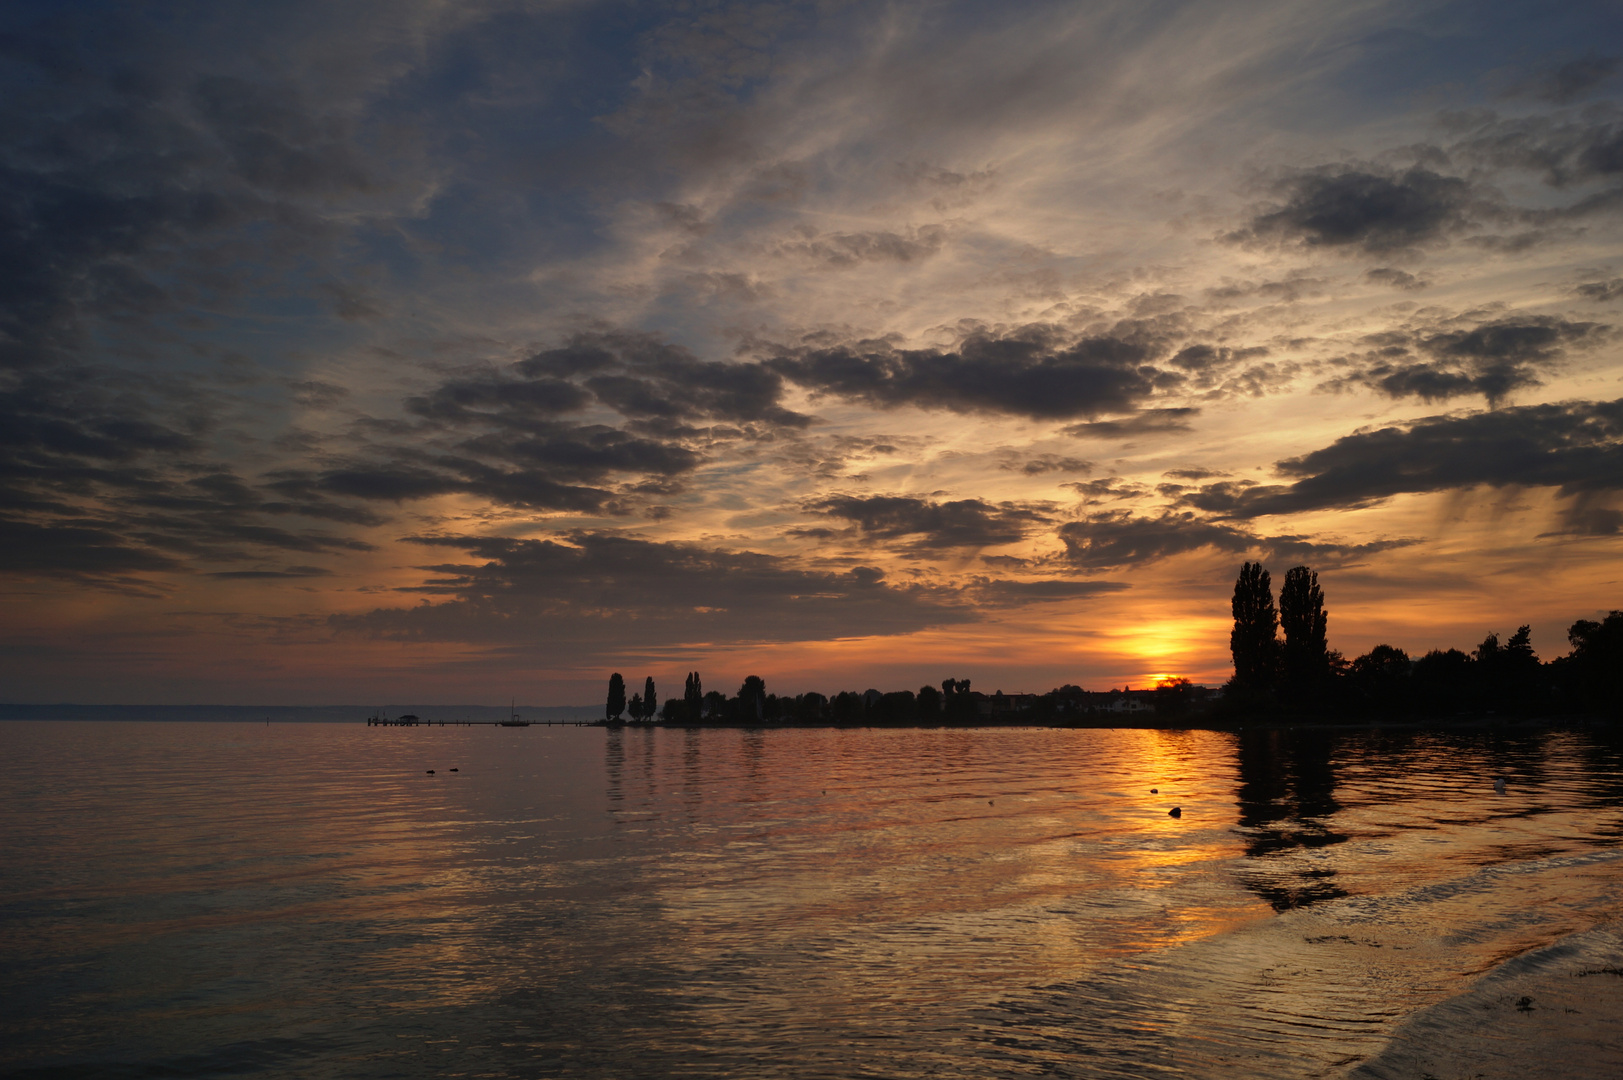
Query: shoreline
x,y
1551,1013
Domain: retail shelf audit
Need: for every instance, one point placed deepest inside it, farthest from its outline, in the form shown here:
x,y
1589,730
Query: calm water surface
x,y
304,900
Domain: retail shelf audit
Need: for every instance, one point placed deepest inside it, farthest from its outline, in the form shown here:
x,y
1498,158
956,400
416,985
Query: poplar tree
x,y
650,700
1304,620
693,697
617,697
1256,622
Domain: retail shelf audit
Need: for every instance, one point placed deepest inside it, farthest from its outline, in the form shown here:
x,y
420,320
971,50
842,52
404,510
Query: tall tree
x,y
650,700
693,697
752,698
617,697
1253,639
1304,620
1594,669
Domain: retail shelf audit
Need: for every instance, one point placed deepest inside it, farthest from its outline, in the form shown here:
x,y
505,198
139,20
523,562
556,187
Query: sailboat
x,y
512,717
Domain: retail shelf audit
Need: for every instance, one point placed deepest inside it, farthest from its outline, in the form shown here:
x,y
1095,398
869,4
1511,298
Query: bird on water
x,y
1176,811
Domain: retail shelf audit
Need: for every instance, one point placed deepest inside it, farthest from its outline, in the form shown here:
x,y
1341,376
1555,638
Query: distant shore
x,y
1186,723
593,714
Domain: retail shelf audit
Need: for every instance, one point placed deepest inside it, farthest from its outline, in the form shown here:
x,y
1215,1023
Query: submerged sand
x,y
1555,1012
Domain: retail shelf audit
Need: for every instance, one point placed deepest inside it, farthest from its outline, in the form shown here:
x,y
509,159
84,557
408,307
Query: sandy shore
x,y
1556,1012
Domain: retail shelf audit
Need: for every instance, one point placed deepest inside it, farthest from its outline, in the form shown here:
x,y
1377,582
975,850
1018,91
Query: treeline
x,y
1283,665
1284,669
953,703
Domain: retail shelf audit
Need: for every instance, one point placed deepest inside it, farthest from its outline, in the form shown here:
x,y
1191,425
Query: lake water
x,y
305,900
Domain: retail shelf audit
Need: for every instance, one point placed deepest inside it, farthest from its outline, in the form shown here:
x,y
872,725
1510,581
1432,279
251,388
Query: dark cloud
x,y
925,525
1120,538
1033,372
136,185
85,552
486,397
256,575
1566,151
590,592
503,433
1492,359
425,477
1047,463
1572,80
1575,447
1148,422
1397,279
109,470
1001,591
1601,291
1378,212
1110,488
642,377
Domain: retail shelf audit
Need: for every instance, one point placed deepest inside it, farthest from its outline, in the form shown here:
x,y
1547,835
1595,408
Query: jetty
x,y
378,719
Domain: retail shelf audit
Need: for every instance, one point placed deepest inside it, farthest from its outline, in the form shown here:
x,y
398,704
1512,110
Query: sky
x,y
459,352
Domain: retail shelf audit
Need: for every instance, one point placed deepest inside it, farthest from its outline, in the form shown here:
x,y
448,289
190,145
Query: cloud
x,y
642,377
1601,291
1375,211
929,526
1033,372
1567,151
1575,447
1110,488
504,433
80,551
1492,358
104,470
1047,463
1001,591
603,594
288,573
1120,538
842,250
1397,279
1572,80
1149,422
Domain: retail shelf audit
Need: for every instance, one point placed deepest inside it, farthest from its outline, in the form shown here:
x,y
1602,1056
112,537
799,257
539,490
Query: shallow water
x,y
215,899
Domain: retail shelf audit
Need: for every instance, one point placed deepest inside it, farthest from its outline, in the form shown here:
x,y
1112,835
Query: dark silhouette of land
x,y
1284,673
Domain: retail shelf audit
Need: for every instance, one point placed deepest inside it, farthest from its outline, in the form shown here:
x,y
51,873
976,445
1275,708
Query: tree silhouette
x,y
1304,620
617,697
752,699
714,703
1253,639
693,697
1381,677
1594,668
929,704
956,702
650,700
635,708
